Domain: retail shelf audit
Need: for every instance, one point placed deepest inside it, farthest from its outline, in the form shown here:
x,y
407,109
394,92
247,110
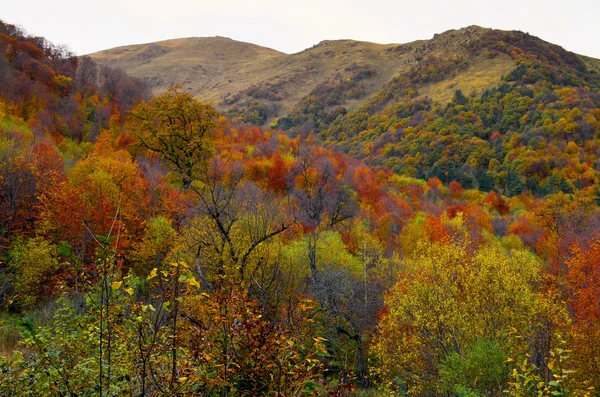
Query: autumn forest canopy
x,y
157,245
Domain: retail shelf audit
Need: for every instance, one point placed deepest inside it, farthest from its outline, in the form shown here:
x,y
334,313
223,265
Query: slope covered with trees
x,y
490,109
535,130
166,251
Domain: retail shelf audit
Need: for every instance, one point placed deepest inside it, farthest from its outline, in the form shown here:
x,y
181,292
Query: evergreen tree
x,y
514,185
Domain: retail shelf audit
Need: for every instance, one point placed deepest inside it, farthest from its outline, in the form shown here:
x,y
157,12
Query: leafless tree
x,y
322,200
86,76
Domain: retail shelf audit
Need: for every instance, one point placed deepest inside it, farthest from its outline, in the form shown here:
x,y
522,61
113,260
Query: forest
x,y
151,246
536,129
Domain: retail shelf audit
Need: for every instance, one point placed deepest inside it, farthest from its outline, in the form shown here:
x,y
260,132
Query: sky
x,y
290,26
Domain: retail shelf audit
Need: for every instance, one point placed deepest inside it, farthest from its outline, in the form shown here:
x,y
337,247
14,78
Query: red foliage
x,y
370,186
495,135
277,174
29,49
496,202
455,190
454,210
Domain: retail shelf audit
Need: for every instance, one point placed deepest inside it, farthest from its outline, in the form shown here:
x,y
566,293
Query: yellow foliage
x,y
62,80
35,261
447,297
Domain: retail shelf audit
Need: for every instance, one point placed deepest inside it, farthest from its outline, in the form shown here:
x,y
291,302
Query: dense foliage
x,y
535,131
164,251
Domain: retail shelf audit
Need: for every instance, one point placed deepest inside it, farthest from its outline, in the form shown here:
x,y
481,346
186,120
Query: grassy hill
x,y
203,66
243,77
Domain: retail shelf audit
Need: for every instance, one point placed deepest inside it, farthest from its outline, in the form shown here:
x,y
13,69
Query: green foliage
x,y
159,237
514,185
62,350
324,104
72,151
9,334
481,370
524,123
252,112
332,254
135,346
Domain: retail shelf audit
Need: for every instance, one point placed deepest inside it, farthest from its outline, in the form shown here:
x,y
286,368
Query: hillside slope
x,y
251,79
200,65
490,109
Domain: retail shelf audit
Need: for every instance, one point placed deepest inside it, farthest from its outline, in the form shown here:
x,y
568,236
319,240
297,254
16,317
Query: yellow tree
x,y
179,128
451,306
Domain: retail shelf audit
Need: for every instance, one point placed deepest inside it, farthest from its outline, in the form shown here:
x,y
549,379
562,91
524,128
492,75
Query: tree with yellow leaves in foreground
x,y
455,318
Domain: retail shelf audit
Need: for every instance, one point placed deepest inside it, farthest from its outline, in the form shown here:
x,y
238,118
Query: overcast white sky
x,y
291,26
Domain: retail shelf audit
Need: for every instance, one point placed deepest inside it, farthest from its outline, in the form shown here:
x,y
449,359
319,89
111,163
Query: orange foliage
x,y
583,281
435,230
434,183
369,186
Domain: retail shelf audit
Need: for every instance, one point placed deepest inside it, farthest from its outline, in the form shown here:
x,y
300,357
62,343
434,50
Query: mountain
x,y
245,77
259,84
207,67
490,109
